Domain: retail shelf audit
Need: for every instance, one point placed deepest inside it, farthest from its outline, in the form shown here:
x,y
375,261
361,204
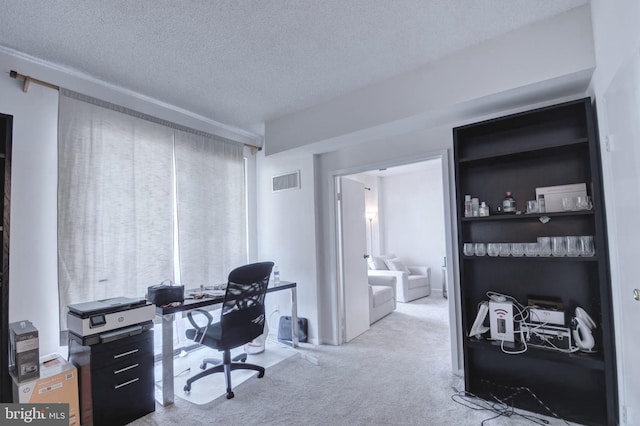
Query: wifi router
x,y
501,320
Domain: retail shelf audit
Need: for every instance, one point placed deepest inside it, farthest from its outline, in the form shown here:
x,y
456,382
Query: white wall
x,y
617,44
545,50
33,267
413,218
287,234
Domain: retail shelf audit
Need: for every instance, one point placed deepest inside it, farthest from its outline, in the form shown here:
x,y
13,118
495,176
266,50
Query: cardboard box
x,y
24,355
58,383
553,195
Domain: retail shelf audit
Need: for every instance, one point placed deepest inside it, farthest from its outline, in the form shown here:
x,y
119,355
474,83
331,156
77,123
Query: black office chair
x,y
241,321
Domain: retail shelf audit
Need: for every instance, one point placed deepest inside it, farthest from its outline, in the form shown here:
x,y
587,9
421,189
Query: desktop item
x,y
163,294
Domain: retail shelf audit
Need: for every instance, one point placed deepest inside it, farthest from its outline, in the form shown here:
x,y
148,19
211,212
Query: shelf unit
x,y
555,145
6,131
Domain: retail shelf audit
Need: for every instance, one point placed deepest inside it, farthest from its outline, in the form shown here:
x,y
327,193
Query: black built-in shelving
x,y
555,145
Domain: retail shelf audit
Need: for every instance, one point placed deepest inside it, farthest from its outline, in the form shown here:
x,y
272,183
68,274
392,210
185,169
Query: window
x,y
129,188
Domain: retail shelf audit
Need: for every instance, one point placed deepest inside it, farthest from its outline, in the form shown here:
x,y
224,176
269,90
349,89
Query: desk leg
x,y
167,359
294,317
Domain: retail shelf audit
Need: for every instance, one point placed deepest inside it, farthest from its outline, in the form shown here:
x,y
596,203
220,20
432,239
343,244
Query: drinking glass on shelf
x,y
585,245
468,249
531,249
505,249
544,246
568,203
480,249
572,246
558,246
583,203
493,249
532,206
517,249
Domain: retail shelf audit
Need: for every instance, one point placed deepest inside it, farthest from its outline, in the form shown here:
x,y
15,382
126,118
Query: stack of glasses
x,y
571,246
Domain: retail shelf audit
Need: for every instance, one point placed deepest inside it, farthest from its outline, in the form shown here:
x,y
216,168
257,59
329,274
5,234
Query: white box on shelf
x,y
553,195
501,320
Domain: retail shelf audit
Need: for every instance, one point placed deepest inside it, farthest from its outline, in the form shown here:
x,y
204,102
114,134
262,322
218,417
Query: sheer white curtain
x,y
211,208
118,171
115,203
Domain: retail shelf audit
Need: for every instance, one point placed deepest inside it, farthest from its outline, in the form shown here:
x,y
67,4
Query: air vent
x,y
286,182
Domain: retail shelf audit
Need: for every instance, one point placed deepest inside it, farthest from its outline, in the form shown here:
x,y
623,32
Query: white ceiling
x,y
244,62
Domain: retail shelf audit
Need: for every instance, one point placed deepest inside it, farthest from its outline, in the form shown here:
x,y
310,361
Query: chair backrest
x,y
243,316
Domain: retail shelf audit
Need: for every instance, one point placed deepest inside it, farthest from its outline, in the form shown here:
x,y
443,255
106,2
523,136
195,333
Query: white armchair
x,y
412,282
382,300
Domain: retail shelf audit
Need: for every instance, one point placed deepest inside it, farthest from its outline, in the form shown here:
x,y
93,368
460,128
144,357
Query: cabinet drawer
x,y
121,351
118,375
123,397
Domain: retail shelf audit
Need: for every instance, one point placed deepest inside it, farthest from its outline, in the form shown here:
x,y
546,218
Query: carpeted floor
x,y
397,373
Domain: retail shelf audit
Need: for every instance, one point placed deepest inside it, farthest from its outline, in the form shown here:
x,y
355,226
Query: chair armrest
x,y
193,321
419,270
397,274
383,279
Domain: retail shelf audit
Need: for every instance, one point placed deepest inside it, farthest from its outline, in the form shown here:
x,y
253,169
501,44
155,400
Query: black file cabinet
x,y
116,377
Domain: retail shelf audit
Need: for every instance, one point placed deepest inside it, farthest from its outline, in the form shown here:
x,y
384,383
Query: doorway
x,y
391,225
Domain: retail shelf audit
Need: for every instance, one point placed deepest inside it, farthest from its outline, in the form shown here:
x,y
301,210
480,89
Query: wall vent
x,y
286,182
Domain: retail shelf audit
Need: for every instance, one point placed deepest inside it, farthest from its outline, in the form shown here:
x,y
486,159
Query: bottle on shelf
x,y
475,207
276,276
467,206
484,209
509,203
541,204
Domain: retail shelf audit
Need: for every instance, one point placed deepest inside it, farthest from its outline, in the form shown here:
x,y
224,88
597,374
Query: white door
x,y
622,130
354,263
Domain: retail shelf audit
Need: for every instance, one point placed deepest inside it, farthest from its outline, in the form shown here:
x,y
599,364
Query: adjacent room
x,y
335,212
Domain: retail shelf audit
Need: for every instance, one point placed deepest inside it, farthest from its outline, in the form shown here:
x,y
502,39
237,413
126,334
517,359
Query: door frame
x,y
453,290
5,390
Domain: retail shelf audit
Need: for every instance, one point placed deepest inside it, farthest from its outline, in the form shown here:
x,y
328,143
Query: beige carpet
x,y
397,373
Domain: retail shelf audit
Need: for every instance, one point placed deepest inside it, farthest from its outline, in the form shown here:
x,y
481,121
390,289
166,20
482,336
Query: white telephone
x,y
478,328
582,326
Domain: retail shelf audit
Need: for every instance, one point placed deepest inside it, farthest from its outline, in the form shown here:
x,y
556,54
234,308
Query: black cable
x,y
501,407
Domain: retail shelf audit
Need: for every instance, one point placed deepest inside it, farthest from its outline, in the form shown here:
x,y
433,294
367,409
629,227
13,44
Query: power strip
x,y
547,337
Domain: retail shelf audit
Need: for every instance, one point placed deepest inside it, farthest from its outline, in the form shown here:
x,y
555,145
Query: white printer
x,y
96,321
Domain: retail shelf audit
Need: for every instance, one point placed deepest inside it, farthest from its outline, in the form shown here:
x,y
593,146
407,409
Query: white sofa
x,y
412,282
382,300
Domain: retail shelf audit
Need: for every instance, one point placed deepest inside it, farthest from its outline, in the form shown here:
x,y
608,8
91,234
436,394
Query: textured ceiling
x,y
244,62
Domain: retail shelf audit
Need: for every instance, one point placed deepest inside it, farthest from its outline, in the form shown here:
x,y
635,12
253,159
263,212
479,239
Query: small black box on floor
x,y
284,329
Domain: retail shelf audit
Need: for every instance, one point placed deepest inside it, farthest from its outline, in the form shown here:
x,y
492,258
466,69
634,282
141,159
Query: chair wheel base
x,y
230,395
260,374
187,389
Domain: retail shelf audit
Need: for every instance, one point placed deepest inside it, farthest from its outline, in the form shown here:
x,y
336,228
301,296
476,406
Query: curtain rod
x,y
28,80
